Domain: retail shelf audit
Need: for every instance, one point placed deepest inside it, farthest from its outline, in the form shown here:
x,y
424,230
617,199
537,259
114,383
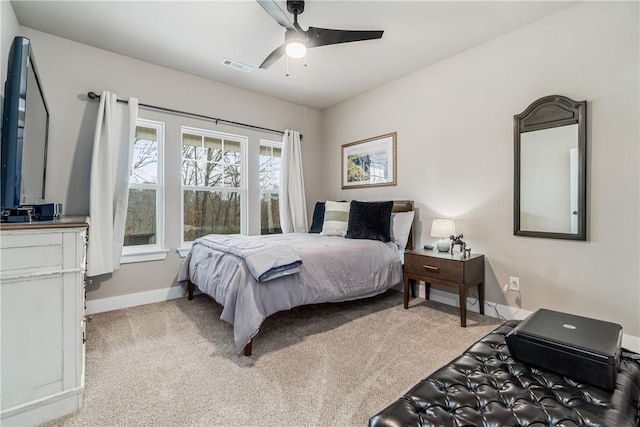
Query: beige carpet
x,y
174,363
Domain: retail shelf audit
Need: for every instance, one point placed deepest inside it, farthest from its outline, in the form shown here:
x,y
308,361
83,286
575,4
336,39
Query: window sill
x,y
183,251
144,255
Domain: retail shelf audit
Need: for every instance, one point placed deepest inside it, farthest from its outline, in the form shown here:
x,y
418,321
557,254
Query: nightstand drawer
x,y
436,268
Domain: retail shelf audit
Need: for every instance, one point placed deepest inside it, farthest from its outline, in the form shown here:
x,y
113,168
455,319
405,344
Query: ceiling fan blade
x,y
273,57
323,36
274,11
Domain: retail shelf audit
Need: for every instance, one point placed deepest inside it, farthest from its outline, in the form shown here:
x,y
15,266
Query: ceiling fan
x,y
297,40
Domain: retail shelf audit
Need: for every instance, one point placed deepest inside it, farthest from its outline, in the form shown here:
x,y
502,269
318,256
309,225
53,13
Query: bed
x,y
332,269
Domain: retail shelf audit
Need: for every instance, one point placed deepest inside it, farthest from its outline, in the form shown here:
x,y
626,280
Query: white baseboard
x,y
449,298
629,342
131,300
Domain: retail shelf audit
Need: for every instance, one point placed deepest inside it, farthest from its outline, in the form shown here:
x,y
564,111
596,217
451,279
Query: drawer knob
x,y
430,267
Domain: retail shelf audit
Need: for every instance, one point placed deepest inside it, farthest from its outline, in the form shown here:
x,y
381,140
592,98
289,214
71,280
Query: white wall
x,y
455,154
9,28
69,70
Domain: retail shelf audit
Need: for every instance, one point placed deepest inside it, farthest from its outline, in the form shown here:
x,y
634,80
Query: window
x,y
212,183
270,164
143,236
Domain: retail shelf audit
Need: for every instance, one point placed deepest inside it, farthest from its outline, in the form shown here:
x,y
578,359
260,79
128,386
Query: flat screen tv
x,y
25,131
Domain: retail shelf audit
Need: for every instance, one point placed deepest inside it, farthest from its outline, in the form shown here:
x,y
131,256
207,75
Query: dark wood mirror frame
x,y
546,113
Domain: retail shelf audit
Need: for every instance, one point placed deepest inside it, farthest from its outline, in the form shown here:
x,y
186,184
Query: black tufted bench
x,y
487,387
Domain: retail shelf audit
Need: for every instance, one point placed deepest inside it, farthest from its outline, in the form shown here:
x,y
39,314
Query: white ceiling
x,y
195,36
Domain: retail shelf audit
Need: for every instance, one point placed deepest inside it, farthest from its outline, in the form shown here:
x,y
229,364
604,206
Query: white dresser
x,y
42,313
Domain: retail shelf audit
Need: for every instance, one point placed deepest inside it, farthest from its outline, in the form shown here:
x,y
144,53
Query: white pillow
x,y
401,227
336,218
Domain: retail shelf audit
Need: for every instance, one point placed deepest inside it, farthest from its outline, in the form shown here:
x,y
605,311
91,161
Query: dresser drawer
x,y
22,251
436,268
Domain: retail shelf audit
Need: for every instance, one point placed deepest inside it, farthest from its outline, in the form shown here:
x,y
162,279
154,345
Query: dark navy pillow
x,y
318,218
370,220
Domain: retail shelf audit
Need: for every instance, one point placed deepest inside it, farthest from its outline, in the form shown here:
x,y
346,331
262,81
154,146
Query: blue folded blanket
x,y
265,260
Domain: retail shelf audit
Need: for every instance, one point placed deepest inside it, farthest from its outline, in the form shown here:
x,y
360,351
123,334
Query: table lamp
x,y
443,228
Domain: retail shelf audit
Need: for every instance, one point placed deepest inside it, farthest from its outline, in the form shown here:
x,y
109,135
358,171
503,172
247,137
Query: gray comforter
x,y
333,269
266,259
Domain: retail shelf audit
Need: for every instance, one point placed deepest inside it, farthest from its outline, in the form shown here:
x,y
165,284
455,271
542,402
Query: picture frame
x,y
370,162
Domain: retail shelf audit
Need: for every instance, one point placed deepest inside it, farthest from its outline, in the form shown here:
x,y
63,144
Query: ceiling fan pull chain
x,y
287,66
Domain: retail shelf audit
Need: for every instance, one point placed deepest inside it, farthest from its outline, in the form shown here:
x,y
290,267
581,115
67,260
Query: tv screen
x,y
25,129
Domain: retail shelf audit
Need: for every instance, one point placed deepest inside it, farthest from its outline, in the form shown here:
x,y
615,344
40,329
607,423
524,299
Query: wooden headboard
x,y
405,206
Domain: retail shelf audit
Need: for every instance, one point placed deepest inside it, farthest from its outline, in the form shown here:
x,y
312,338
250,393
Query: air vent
x,y
236,65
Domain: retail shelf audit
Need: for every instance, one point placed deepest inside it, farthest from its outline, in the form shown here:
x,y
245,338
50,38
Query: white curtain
x,y
109,185
293,205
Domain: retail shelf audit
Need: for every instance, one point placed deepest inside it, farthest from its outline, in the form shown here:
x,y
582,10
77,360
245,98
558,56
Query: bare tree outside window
x,y
211,180
141,223
270,165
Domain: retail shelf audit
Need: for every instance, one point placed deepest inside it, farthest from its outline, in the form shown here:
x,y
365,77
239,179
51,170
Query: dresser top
x,y
62,222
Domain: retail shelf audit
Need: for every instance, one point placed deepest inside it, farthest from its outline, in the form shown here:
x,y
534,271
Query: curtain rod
x,y
93,95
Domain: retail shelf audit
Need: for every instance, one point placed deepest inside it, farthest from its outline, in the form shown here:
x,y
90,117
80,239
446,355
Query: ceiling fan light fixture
x,y
296,49
297,40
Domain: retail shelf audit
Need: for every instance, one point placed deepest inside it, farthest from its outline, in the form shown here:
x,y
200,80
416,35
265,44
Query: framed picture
x,y
370,162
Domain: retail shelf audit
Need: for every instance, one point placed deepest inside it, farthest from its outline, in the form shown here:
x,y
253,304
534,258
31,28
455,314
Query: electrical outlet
x,y
514,283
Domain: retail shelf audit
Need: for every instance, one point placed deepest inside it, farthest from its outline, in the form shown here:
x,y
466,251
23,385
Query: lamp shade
x,y
296,49
443,228
295,42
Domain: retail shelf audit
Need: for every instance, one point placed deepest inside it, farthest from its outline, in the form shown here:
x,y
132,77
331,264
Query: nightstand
x,y
453,271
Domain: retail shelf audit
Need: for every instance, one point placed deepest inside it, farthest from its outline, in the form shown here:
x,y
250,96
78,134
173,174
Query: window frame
x,y
271,144
155,251
185,246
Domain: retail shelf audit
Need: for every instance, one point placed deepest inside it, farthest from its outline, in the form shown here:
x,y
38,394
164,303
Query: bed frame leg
x,y
190,287
247,348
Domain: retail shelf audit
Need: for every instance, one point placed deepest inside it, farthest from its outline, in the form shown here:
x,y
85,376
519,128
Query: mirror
x,y
550,188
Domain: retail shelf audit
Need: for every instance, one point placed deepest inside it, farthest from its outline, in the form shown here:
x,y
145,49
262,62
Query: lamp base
x,y
443,245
